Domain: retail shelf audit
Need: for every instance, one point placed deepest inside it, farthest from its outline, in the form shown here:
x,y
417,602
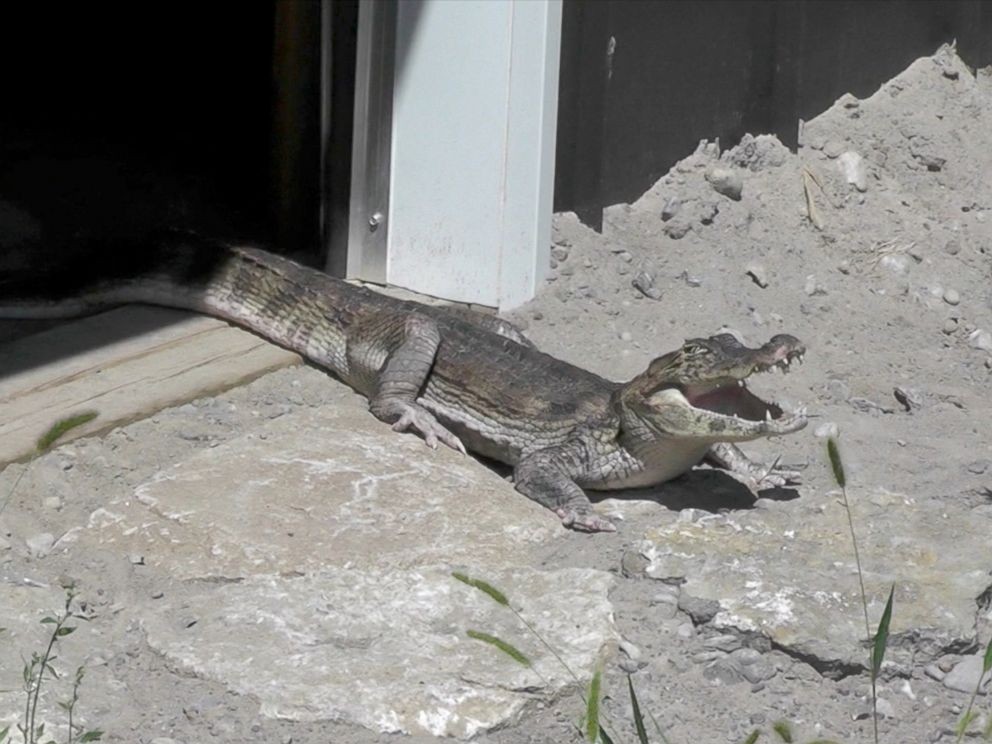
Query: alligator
x,y
465,380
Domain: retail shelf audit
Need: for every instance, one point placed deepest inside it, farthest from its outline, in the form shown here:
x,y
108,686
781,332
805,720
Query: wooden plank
x,y
125,364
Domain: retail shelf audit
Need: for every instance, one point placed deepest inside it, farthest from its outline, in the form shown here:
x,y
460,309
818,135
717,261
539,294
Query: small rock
x,y
559,254
757,153
978,467
626,336
633,564
700,610
631,651
910,398
952,247
41,544
567,270
690,279
671,208
826,430
708,213
757,273
52,502
885,708
951,297
810,286
966,674
724,672
643,282
667,605
625,256
853,168
979,339
686,630
926,157
758,672
833,149
725,642
934,672
726,182
950,326
676,229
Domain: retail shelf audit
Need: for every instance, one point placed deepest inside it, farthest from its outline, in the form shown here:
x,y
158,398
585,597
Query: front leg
x,y
401,379
758,475
548,477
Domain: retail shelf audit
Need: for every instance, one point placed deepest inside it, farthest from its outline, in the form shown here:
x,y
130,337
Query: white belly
x,y
652,464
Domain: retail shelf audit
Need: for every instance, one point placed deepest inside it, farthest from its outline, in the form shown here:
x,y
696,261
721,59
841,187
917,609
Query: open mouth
x,y
732,397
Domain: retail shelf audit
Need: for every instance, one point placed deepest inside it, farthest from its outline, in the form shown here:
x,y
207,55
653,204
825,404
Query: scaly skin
x,y
465,380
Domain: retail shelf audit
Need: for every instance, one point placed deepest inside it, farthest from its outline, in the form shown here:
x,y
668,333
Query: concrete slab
x,y
124,364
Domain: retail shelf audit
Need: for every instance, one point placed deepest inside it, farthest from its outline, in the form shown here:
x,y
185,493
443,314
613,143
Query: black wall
x,y
682,71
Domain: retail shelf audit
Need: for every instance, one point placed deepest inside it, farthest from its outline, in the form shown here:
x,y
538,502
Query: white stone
x,y
852,166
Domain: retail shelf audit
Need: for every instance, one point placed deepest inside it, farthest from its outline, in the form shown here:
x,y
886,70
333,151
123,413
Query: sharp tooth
x,y
768,415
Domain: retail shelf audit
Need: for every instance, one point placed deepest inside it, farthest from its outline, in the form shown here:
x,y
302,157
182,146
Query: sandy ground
x,y
885,277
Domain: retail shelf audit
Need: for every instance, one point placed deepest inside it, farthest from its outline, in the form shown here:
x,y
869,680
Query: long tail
x,y
291,305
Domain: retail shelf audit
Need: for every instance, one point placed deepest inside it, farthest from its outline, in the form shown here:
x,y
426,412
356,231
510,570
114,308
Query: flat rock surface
x,y
746,561
387,649
320,488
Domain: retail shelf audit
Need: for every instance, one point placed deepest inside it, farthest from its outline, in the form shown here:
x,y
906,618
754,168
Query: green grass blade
x,y
511,651
604,737
59,428
882,636
642,734
835,463
592,705
753,737
966,718
482,586
784,731
986,662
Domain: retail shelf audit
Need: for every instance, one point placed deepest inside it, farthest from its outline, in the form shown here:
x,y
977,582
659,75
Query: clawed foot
x,y
760,477
584,521
423,422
